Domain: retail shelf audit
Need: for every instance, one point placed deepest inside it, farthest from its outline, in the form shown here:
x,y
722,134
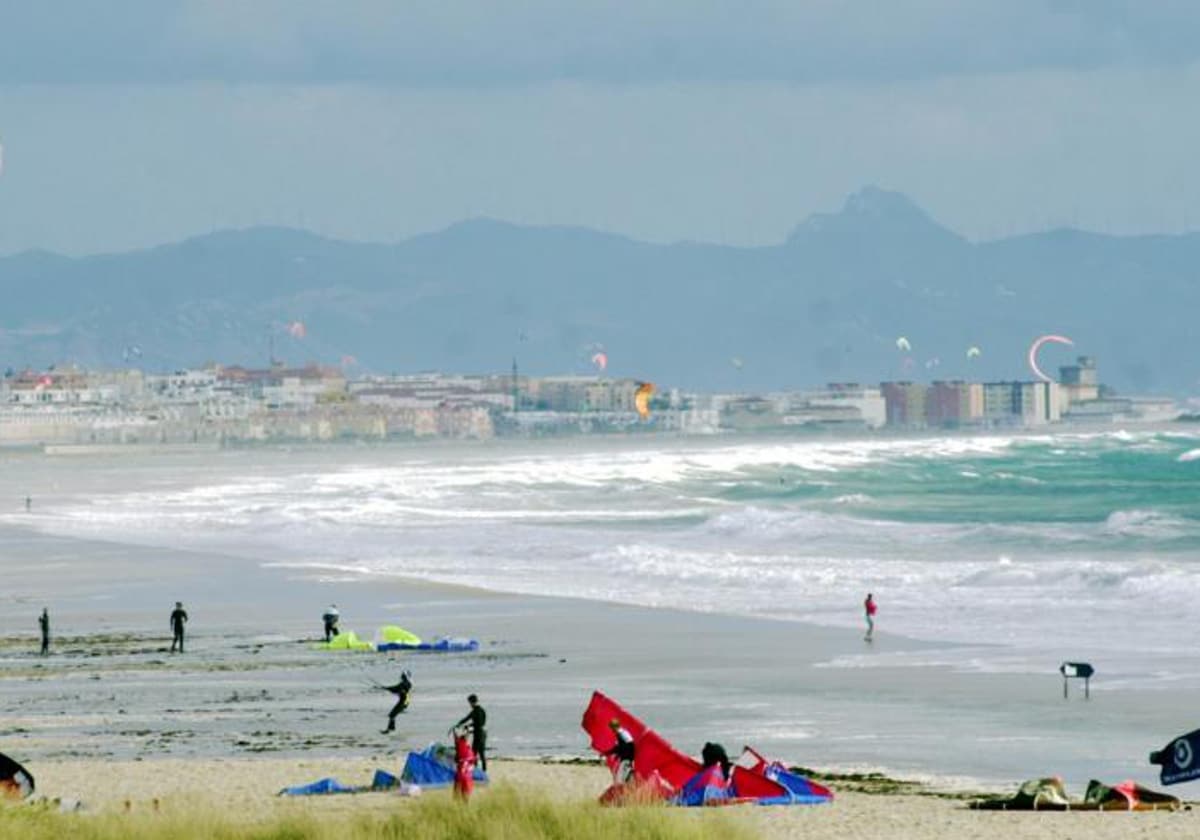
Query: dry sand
x,y
248,786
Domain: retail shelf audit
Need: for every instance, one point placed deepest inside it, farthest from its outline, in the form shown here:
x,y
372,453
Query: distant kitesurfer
x,y
869,609
622,751
330,619
28,504
476,720
401,690
179,618
44,624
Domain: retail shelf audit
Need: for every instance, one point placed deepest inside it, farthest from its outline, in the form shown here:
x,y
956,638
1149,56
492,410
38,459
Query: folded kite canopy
x,y
662,772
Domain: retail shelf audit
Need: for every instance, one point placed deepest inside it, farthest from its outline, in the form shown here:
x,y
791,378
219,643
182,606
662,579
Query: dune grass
x,y
503,813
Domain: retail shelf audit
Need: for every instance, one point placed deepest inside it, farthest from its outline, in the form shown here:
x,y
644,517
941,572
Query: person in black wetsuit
x,y
401,690
44,624
477,720
179,618
715,754
330,619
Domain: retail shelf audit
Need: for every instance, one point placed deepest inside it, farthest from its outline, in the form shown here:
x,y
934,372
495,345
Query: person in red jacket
x,y
869,609
464,767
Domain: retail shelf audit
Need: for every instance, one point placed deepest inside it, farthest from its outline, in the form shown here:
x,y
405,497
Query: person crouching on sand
x,y
330,619
869,609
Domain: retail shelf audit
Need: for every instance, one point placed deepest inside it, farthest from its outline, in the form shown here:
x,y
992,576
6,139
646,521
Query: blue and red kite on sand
x,y
662,772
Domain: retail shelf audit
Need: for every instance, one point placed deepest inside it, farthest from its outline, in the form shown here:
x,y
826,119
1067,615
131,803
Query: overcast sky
x,y
127,124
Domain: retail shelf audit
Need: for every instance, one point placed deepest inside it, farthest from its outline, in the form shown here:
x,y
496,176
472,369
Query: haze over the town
x,y
146,122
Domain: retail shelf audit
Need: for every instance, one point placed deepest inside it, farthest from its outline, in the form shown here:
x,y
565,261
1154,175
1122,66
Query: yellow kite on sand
x,y
346,640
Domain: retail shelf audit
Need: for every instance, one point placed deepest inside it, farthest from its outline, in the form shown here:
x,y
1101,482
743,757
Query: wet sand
x,y
253,706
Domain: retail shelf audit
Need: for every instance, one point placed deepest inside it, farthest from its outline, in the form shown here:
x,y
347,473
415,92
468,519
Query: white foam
x,y
660,527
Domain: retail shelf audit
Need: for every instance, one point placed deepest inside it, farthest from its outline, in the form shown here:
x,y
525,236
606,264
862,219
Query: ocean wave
x,y
771,524
1022,479
1189,456
1145,524
852,499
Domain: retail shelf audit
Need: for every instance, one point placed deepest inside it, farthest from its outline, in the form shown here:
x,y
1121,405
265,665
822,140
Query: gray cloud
x,y
450,43
101,168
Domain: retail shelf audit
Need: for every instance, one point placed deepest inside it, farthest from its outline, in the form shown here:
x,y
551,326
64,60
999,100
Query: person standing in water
x,y
44,624
869,609
179,618
477,720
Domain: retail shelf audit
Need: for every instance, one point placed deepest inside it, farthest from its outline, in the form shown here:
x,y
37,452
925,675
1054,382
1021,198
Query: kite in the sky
x,y
641,399
1037,345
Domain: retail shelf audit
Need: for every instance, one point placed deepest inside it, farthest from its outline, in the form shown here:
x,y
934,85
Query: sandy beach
x,y
111,717
247,787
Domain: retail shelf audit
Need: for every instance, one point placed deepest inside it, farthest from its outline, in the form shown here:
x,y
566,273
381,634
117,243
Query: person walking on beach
x,y
869,609
179,618
44,624
622,751
330,619
401,690
476,720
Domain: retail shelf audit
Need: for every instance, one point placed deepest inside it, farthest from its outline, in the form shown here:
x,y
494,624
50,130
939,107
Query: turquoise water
x,y
1009,554
993,539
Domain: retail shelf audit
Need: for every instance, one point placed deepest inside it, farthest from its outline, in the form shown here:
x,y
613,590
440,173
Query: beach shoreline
x,y
252,682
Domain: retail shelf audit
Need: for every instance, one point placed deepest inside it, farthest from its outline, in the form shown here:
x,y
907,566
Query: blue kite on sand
x,y
382,780
434,767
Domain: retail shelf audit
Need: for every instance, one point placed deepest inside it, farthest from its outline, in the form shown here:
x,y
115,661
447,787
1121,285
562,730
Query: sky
x,y
130,123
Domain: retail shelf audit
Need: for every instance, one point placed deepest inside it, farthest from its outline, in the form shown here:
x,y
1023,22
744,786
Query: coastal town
x,y
218,405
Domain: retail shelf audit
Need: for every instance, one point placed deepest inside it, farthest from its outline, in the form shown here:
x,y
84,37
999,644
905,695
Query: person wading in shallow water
x,y
179,618
44,624
869,609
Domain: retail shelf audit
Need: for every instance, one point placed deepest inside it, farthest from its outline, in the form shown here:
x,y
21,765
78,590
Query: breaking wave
x,y
979,539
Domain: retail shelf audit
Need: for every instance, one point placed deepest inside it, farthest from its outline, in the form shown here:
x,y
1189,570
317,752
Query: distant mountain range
x,y
827,304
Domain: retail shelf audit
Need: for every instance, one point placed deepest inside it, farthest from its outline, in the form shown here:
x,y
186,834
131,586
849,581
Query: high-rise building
x,y
905,403
953,404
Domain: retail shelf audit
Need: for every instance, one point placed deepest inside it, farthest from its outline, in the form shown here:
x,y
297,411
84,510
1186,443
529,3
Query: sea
x,y
1012,552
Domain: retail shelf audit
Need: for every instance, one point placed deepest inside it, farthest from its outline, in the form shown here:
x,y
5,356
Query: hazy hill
x,y
827,304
